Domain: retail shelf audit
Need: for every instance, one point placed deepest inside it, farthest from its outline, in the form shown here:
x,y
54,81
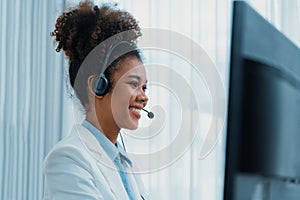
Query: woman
x,y
89,163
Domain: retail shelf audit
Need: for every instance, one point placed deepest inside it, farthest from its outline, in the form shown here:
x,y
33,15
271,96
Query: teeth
x,y
135,110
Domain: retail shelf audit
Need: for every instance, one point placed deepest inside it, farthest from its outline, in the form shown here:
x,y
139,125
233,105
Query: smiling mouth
x,y
135,111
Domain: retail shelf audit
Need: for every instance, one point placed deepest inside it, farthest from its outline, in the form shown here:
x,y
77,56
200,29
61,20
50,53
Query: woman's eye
x,y
134,84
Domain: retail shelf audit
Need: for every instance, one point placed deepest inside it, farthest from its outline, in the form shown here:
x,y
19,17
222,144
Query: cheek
x,y
121,98
122,94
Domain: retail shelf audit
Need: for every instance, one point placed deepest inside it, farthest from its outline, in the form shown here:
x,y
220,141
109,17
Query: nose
x,y
142,97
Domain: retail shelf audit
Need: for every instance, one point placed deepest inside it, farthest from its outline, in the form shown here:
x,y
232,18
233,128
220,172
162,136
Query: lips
x,y
135,111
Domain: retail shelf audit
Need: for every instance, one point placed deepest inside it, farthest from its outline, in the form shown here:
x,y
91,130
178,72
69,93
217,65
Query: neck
x,y
111,132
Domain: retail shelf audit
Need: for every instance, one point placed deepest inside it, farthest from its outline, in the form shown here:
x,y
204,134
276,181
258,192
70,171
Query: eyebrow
x,y
136,77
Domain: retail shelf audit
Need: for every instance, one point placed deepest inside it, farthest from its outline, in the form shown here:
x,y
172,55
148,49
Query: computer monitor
x,y
263,130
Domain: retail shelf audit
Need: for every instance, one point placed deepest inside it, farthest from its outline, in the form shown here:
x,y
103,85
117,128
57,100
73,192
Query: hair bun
x,y
85,26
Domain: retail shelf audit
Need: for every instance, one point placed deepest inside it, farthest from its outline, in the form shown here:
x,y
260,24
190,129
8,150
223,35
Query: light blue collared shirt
x,y
116,154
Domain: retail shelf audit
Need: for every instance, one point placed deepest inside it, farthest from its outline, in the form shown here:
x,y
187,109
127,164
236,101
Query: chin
x,y
131,125
128,122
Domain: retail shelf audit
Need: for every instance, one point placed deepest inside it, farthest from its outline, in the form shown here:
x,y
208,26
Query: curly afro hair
x,y
82,28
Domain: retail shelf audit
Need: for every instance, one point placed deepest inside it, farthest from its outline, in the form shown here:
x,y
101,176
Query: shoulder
x,y
68,170
70,148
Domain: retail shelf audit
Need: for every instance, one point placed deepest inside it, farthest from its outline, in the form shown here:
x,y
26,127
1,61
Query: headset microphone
x,y
150,114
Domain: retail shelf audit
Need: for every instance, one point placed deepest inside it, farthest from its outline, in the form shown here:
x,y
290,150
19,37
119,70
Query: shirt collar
x,y
123,154
113,151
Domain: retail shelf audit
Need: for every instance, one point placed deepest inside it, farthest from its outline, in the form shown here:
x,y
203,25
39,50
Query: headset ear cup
x,y
100,85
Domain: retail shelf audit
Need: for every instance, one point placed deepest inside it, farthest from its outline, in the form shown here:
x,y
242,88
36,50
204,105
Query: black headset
x,y
100,83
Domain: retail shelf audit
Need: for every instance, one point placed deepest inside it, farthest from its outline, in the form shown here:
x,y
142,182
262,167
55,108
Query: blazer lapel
x,y
105,165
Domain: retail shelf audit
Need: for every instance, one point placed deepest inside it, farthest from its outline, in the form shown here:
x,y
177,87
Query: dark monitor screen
x,y
263,130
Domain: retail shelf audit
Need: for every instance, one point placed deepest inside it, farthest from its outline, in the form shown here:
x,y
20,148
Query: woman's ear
x,y
91,92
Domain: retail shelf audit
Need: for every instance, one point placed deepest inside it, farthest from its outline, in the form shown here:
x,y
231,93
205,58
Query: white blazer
x,y
77,168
